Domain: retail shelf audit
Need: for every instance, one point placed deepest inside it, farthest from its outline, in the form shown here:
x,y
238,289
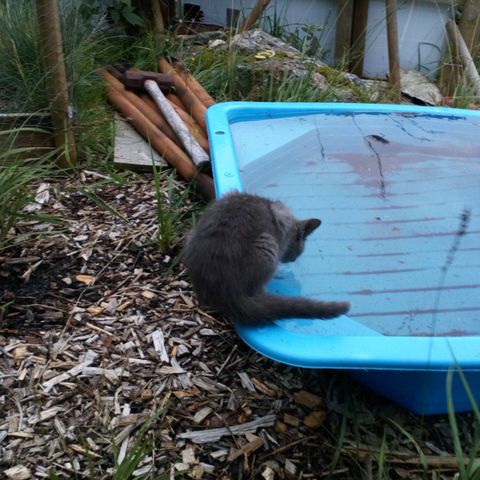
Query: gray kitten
x,y
233,252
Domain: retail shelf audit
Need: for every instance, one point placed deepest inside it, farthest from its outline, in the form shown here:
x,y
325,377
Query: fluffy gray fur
x,y
234,250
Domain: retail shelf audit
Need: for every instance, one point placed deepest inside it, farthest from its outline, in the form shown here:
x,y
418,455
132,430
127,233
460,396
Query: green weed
x,y
291,88
173,217
220,74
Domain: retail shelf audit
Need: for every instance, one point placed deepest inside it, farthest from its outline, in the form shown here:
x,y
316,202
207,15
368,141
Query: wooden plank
x,y
131,150
451,70
52,50
343,35
393,50
33,131
255,14
470,25
359,31
158,20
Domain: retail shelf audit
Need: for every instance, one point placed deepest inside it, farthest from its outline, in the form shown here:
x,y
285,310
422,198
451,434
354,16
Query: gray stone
x,y
253,41
418,86
217,43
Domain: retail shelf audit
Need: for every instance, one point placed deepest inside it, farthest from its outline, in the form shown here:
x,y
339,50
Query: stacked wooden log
x,y
168,109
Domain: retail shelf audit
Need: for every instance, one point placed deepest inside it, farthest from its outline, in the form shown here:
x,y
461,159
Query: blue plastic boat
x,y
398,192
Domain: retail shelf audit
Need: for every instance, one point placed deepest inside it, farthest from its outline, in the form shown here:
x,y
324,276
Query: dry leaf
x,y
191,392
315,419
94,310
202,414
246,449
261,387
291,420
86,279
280,427
307,399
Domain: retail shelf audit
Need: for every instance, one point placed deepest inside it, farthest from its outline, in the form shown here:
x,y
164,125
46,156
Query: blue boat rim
x,y
365,352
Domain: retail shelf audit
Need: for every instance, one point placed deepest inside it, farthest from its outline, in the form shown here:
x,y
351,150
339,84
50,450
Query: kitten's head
x,y
300,230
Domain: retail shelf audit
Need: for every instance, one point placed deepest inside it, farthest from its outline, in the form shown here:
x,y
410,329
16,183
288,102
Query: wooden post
x,y
393,52
158,20
52,51
470,25
255,14
343,35
470,70
451,71
359,33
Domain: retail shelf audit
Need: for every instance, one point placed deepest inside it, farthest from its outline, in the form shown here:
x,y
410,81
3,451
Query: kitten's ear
x,y
310,225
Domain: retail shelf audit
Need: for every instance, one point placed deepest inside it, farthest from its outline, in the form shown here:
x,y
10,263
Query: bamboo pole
x,y
393,51
192,147
176,101
152,114
52,51
191,124
193,84
470,25
255,14
468,64
451,70
175,156
191,103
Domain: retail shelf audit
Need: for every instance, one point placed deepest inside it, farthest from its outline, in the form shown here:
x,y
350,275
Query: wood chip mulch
x,y
103,348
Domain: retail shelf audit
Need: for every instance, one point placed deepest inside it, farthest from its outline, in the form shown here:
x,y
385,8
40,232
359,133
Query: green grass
x,y
173,216
18,171
88,43
471,469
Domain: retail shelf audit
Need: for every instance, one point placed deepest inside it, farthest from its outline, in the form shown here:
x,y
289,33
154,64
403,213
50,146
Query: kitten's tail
x,y
266,308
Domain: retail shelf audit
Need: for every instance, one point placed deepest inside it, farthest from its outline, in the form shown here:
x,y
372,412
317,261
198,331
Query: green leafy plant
x,y
117,11
124,10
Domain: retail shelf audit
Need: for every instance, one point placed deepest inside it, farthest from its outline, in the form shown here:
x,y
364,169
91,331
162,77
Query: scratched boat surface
x,y
398,191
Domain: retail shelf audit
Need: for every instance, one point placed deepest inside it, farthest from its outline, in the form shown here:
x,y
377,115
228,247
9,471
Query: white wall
x,y
291,13
420,22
